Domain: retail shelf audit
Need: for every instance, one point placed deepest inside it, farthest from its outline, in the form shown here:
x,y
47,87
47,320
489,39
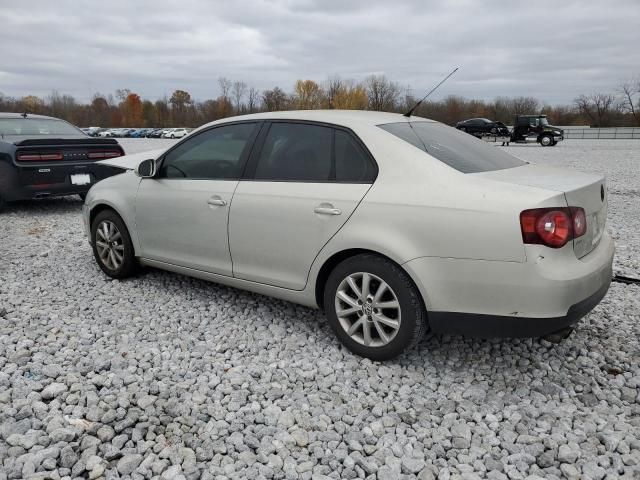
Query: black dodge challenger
x,y
45,156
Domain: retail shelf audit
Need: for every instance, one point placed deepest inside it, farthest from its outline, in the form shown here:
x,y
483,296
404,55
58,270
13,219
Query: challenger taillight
x,y
104,154
553,227
39,156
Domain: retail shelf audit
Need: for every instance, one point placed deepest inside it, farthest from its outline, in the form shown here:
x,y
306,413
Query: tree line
x,y
620,107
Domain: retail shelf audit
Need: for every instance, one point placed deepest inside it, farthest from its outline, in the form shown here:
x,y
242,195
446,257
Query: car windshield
x,y
544,121
36,126
459,150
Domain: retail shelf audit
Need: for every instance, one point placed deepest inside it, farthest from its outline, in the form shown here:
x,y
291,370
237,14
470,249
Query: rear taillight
x,y
552,227
104,154
39,156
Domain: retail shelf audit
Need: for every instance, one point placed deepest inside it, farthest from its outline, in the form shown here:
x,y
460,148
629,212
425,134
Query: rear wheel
x,y
373,307
112,247
546,141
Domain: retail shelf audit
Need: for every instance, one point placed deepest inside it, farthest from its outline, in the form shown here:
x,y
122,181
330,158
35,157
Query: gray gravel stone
x,y
53,390
128,463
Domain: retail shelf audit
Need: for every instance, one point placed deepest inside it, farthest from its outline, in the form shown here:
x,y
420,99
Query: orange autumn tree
x,y
132,110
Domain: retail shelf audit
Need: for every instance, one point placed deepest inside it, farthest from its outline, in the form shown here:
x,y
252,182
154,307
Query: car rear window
x,y
457,149
36,126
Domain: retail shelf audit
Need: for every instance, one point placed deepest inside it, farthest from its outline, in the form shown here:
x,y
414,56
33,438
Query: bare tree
x,y
382,93
275,99
225,87
253,100
597,107
239,91
630,91
334,87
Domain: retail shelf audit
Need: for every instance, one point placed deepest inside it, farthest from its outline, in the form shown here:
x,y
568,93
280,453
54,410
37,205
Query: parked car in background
x,y
536,128
107,132
45,156
391,224
140,132
483,126
155,133
177,133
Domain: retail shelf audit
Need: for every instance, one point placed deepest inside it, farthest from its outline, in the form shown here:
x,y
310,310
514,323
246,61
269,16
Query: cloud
x,y
550,50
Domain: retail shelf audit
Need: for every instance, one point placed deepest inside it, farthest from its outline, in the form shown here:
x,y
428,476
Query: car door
x,y
304,183
182,213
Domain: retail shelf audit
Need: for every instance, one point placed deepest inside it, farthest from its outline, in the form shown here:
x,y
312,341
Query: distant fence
x,y
622,133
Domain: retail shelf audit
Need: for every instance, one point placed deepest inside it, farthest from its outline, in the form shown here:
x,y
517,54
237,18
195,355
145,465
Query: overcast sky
x,y
553,50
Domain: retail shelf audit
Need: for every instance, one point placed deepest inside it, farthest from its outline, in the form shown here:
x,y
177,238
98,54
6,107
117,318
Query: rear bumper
x,y
497,326
24,182
512,299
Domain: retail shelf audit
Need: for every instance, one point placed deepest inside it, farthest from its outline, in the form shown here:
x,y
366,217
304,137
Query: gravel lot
x,y
165,376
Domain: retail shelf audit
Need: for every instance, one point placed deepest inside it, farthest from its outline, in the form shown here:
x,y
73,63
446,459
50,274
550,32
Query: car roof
x,y
29,115
345,118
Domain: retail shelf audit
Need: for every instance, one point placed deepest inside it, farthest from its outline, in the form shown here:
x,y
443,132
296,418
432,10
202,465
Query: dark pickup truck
x,y
45,156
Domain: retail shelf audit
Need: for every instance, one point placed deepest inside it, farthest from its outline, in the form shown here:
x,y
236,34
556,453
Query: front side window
x,y
216,154
295,152
463,152
36,126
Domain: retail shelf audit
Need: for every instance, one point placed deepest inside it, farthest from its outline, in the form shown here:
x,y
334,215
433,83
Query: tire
x,y
409,317
121,244
546,140
173,136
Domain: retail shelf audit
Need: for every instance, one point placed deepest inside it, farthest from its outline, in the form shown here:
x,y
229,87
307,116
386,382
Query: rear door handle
x,y
216,201
327,211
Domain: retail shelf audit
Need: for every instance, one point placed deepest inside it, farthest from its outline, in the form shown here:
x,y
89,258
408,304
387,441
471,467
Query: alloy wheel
x,y
368,309
110,245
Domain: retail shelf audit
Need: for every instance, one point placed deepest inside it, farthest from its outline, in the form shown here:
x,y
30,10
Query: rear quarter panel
x,y
419,207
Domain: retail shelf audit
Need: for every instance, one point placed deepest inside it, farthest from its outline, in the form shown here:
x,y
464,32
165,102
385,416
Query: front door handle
x,y
216,201
328,210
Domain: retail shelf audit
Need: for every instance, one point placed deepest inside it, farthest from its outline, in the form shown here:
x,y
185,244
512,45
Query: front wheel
x,y
112,247
373,307
546,141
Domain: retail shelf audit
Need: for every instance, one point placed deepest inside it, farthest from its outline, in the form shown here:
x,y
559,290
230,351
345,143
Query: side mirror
x,y
146,168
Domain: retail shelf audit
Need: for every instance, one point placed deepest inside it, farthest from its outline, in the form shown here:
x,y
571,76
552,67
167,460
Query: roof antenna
x,y
408,114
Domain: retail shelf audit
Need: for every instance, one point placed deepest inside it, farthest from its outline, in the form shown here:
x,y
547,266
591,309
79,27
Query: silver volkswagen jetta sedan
x,y
391,224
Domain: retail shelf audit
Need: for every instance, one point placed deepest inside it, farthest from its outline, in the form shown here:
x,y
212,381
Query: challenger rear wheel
x,y
374,307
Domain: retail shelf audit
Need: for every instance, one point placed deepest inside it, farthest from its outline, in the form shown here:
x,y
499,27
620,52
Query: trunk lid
x,y
66,149
580,189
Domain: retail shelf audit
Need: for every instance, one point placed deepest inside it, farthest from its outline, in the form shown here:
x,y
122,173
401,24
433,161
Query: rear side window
x,y
459,150
303,152
295,152
352,162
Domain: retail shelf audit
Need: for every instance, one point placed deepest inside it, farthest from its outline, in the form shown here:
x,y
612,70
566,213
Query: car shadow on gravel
x,y
44,206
